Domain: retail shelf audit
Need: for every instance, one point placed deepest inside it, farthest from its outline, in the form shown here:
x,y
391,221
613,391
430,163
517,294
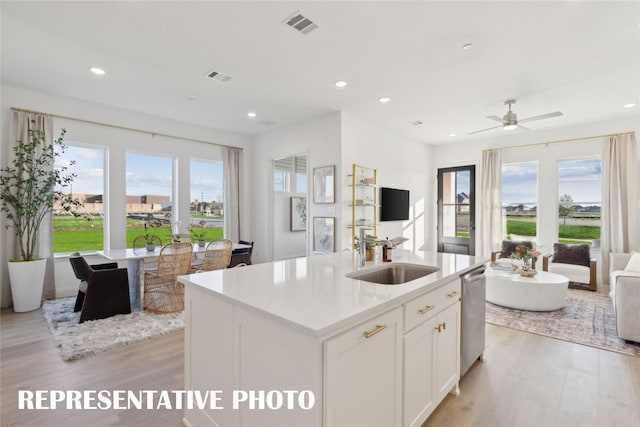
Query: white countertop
x,y
313,294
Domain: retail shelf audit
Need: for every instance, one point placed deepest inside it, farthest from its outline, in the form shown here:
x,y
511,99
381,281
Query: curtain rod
x,y
631,132
122,127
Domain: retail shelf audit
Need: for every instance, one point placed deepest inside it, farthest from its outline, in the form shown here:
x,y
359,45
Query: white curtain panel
x,y
21,123
232,193
491,195
619,196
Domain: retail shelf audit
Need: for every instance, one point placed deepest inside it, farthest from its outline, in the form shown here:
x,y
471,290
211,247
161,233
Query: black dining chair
x,y
241,256
103,291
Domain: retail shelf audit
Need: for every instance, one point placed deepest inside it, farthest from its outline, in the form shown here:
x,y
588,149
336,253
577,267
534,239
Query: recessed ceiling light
x,y
629,105
384,99
452,134
340,83
251,115
97,71
467,46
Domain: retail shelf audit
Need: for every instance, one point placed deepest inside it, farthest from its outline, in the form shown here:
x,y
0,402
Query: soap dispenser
x,y
387,250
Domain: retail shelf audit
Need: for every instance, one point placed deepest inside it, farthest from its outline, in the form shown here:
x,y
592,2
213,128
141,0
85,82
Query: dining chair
x,y
103,290
242,255
217,256
162,291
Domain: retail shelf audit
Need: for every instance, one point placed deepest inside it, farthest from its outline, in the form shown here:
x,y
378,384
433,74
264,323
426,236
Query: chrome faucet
x,y
362,251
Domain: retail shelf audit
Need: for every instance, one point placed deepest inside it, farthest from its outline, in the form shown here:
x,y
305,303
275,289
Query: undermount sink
x,y
393,274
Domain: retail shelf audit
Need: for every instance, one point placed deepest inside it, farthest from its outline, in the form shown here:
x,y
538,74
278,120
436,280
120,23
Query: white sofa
x,y
625,295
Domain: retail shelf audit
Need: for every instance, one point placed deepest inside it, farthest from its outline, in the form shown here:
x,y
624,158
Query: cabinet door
x,y
419,365
447,351
363,376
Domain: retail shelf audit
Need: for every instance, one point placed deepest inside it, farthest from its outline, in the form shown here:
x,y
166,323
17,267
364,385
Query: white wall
x,y
319,139
119,141
547,156
401,162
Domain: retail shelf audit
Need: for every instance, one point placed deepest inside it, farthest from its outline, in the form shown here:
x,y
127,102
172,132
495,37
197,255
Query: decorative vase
x,y
27,281
151,247
370,254
201,243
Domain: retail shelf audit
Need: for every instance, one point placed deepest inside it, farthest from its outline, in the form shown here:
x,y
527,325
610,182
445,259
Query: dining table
x,y
135,258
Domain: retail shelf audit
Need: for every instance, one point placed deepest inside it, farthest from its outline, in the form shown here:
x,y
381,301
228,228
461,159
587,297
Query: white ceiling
x,y
579,57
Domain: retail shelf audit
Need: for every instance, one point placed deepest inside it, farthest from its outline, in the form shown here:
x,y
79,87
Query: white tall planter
x,y
27,280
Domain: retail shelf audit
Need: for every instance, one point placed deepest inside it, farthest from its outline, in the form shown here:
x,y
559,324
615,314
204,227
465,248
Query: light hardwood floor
x,y
526,380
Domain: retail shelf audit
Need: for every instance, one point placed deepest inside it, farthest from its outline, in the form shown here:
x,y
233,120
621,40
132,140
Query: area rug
x,y
587,318
77,340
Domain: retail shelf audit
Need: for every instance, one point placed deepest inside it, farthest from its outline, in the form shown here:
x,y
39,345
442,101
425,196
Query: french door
x,y
456,210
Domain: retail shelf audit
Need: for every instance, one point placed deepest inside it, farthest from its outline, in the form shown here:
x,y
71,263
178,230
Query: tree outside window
x,y
580,201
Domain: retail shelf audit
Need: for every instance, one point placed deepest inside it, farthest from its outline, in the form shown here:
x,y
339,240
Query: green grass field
x,y
567,234
78,234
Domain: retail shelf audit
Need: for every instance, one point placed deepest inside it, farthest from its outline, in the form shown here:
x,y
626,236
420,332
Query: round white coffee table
x,y
543,292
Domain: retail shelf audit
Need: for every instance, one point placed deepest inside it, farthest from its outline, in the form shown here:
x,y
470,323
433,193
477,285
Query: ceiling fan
x,y
510,120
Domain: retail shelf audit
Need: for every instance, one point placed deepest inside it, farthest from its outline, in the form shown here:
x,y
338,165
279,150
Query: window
x,y
281,175
207,195
86,232
286,168
149,187
519,198
580,200
301,174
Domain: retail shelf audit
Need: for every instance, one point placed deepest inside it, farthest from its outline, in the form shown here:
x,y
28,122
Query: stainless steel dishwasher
x,y
473,311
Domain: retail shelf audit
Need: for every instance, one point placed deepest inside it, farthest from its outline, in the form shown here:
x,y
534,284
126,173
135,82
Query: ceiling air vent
x,y
216,75
266,122
300,23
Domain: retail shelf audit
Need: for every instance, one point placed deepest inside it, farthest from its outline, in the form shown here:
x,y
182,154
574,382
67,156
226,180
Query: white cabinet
x,y
431,351
392,369
419,395
447,352
363,374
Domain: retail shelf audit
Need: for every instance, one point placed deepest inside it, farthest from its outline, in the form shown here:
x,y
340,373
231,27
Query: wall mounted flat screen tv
x,y
394,204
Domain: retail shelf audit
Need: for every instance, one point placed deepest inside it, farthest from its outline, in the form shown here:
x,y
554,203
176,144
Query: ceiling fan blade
x,y
522,127
482,130
496,118
543,116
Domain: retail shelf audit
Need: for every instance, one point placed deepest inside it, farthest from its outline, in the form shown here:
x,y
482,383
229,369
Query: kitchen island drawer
x,y
426,306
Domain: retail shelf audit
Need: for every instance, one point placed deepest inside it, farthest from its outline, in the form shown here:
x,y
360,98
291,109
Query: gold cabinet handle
x,y
375,331
441,327
426,309
453,294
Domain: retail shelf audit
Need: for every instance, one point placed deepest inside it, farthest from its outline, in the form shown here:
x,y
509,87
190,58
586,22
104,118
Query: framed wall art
x,y
324,231
324,184
298,213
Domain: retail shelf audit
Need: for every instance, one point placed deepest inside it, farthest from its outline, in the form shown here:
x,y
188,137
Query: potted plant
x,y
150,237
370,247
29,190
199,232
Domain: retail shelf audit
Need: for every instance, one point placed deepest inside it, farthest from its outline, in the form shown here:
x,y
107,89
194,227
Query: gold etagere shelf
x,y
364,200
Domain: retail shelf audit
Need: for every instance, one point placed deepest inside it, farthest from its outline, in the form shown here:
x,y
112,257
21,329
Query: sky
x,y
146,175
578,178
152,175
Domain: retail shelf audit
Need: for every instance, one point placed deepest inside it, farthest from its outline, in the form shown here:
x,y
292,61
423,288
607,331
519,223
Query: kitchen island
x,y
299,343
